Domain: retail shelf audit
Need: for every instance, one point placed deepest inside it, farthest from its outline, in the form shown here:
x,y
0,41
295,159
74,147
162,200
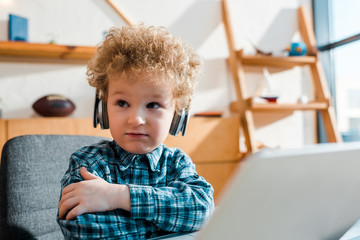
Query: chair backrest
x,y
30,173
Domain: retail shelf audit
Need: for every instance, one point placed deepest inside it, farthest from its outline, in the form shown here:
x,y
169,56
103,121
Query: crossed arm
x,y
92,195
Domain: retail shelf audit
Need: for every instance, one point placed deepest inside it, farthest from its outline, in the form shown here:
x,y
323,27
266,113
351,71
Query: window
x,y
338,36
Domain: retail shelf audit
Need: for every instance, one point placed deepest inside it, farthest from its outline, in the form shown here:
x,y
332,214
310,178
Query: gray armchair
x,y
30,173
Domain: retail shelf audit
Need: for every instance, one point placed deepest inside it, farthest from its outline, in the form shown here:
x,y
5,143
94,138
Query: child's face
x,y
140,113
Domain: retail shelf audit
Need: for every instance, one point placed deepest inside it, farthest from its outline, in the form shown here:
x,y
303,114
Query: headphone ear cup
x,y
96,112
179,123
100,116
105,117
185,122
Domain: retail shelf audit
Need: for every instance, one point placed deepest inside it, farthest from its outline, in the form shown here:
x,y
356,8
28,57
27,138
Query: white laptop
x,y
312,193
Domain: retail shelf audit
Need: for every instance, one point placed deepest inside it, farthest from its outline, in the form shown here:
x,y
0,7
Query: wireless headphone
x,y
178,123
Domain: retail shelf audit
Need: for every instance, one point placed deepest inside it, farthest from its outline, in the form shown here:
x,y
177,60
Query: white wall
x,y
270,25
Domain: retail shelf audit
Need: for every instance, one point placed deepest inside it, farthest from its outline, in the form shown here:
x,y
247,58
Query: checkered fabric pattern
x,y
166,193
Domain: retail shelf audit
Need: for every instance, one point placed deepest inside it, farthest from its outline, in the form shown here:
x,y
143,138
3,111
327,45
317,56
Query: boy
x,y
134,187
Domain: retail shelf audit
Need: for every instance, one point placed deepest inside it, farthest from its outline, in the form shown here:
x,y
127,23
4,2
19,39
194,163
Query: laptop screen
x,y
307,193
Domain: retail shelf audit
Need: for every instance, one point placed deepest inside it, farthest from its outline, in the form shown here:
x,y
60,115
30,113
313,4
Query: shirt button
x,y
148,234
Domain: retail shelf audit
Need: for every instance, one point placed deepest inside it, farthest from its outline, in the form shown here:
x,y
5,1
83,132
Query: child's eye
x,y
153,105
122,103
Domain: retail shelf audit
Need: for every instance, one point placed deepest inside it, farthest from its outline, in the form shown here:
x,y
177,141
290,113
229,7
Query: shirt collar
x,y
126,158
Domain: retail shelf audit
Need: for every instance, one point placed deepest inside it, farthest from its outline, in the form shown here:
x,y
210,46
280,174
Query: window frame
x,y
322,16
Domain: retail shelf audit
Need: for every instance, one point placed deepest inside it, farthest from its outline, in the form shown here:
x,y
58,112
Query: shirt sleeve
x,y
89,225
72,175
181,206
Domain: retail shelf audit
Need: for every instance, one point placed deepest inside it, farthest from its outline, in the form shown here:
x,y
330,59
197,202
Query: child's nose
x,y
137,117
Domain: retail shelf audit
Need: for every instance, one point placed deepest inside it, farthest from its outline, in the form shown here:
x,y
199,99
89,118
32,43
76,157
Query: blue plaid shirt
x,y
166,193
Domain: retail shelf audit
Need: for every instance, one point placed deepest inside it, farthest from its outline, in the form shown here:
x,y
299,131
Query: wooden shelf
x,y
281,106
289,106
38,50
271,61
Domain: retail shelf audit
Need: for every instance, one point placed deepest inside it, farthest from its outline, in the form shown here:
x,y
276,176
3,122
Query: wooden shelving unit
x,y
245,105
41,51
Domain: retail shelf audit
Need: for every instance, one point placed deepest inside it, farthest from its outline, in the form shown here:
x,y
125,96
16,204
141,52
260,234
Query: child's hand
x,y
92,195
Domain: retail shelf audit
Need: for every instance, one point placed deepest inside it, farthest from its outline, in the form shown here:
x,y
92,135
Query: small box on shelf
x,y
18,28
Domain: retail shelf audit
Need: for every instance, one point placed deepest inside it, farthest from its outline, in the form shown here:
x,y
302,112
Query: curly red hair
x,y
140,49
